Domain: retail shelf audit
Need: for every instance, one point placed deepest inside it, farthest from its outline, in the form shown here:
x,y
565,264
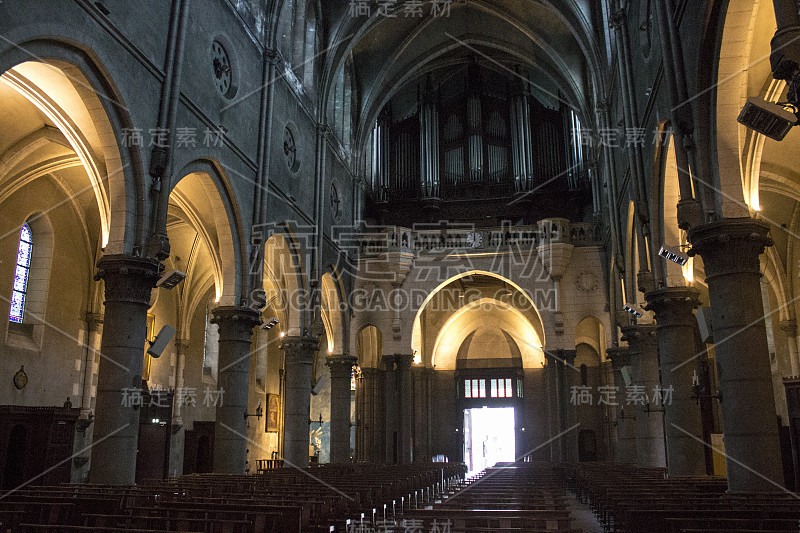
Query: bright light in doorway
x,y
489,437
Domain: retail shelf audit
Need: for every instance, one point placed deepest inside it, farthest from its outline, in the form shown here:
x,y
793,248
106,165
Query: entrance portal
x,y
488,437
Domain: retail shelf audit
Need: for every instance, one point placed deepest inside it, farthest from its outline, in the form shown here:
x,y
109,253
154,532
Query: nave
x,y
525,497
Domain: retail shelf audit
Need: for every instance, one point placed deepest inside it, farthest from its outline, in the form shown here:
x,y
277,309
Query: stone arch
x,y
115,168
738,151
334,315
284,282
205,203
369,346
477,314
516,292
590,333
666,192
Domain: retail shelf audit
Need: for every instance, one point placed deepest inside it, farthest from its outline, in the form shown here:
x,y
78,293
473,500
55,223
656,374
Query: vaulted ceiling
x,y
552,40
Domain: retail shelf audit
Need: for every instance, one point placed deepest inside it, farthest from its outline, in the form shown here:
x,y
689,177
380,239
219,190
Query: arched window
x,y
21,274
210,347
311,47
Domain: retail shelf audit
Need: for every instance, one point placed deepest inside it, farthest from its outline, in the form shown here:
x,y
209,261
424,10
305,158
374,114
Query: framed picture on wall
x,y
150,337
272,413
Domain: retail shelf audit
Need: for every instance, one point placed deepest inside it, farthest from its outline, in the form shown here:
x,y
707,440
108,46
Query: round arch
x,y
369,346
476,315
537,323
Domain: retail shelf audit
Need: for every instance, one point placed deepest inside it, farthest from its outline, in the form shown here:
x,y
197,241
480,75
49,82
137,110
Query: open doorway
x,y
488,437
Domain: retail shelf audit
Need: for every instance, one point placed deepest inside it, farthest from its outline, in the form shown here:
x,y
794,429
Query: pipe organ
x,y
494,138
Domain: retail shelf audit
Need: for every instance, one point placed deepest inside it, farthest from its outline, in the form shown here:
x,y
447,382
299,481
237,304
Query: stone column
x,y
128,283
230,430
643,352
569,376
341,368
370,419
674,312
423,379
93,323
181,346
626,427
299,353
553,406
730,249
790,328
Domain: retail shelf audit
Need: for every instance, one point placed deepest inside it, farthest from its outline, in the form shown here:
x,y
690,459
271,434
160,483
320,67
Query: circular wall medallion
x,y
290,150
336,202
586,282
20,378
223,70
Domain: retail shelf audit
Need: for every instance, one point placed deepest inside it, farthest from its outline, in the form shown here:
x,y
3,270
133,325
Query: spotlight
x,y
170,279
634,309
767,118
673,254
272,323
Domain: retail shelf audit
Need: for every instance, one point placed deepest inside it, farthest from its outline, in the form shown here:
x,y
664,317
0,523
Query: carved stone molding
x,y
730,246
673,306
235,323
127,278
299,350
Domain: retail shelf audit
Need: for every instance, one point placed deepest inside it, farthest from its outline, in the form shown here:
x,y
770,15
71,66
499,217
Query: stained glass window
x,y
21,275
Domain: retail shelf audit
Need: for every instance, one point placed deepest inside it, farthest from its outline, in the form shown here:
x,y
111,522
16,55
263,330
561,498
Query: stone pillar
x,y
626,427
730,249
398,407
370,419
128,283
643,352
423,379
181,346
299,353
569,376
93,323
790,328
230,430
341,368
553,406
674,312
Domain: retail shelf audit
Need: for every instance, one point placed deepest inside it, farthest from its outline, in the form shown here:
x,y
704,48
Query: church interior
x,y
399,265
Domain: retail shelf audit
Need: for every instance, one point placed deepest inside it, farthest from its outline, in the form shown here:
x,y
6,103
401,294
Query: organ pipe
x,y
429,145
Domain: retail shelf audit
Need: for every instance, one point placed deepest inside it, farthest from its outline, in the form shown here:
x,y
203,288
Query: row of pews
x,y
627,498
319,499
509,497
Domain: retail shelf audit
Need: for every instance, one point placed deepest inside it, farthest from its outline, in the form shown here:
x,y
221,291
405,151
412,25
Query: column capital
x,y
730,245
637,335
181,345
619,357
673,306
94,320
618,18
235,323
128,278
340,364
273,56
789,327
398,361
299,350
